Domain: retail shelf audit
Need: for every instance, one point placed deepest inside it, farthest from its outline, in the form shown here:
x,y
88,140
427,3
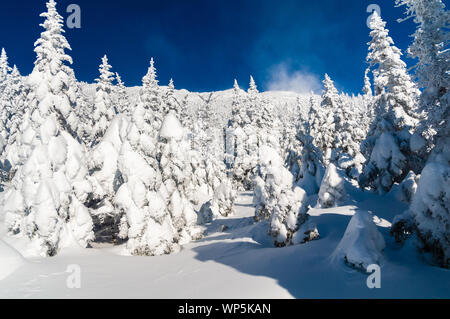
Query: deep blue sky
x,y
205,44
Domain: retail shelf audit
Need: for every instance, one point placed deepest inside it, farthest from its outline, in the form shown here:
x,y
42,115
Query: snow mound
x,y
10,260
362,243
171,127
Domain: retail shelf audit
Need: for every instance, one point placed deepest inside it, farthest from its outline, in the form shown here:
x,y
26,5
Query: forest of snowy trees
x,y
144,167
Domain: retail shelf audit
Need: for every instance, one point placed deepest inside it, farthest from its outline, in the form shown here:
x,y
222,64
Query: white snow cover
x,y
362,244
10,259
171,127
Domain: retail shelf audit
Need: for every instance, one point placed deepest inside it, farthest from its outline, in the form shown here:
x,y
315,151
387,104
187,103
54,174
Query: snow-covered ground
x,y
237,260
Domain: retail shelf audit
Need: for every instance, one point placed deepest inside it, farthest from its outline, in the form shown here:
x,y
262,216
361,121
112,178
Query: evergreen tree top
x,y
171,85
119,80
149,80
236,85
50,47
106,76
4,67
253,89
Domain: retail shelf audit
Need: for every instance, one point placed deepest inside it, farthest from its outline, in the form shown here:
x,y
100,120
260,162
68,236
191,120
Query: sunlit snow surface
x,y
238,262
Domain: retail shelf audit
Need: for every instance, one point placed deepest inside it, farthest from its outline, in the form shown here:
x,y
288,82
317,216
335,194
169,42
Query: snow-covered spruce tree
x,y
263,118
106,179
214,157
170,103
50,50
234,125
104,110
126,174
386,148
121,97
429,213
142,215
5,69
277,201
366,105
367,89
185,113
431,49
84,106
219,185
150,105
290,147
322,123
349,134
197,189
13,102
45,200
172,149
5,110
311,164
245,138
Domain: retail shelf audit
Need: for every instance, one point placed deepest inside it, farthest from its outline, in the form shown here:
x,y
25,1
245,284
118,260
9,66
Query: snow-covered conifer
x,y
367,89
245,139
322,119
386,148
45,202
103,111
51,73
431,49
172,149
429,212
150,103
170,103
311,166
276,200
121,97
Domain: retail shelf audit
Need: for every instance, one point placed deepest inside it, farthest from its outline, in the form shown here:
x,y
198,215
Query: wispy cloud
x,y
281,78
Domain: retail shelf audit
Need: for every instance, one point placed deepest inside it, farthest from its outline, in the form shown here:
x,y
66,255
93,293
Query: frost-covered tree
x,y
290,147
277,200
311,165
350,131
45,202
172,149
244,137
367,89
51,64
429,212
5,69
321,120
148,226
104,110
170,103
150,103
13,101
431,49
106,178
386,148
85,105
186,117
13,105
121,97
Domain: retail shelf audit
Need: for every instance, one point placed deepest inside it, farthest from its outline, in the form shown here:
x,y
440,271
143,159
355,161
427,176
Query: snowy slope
x,y
240,262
